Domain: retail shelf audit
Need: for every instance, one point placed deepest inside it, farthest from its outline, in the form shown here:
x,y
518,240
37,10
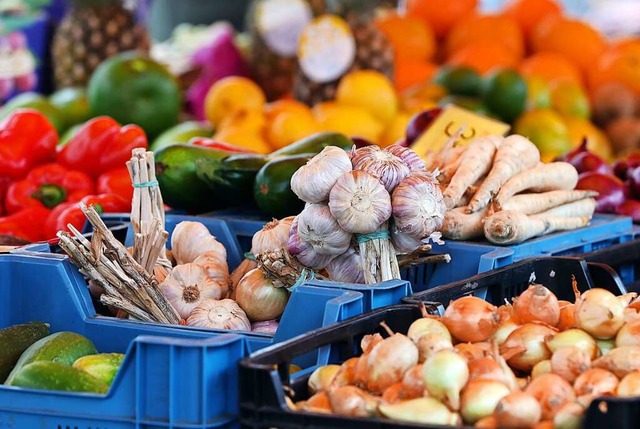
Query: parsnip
x,y
509,227
515,154
458,225
475,162
538,203
541,178
581,208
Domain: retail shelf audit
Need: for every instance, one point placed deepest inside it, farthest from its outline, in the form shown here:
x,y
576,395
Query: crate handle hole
x,y
603,407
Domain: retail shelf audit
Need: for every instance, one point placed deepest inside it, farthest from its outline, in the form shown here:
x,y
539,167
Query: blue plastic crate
x,y
471,258
171,377
382,294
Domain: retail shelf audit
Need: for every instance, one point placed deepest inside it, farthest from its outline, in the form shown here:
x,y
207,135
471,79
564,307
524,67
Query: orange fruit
x,y
273,109
230,95
441,15
370,90
291,126
349,120
396,129
528,13
550,67
494,28
620,63
575,40
484,56
243,137
410,72
411,37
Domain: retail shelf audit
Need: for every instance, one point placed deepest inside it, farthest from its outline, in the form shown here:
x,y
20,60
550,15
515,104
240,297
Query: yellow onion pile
x,y
534,363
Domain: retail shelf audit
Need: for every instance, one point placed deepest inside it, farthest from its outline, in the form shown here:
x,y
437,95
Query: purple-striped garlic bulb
x,y
384,165
418,206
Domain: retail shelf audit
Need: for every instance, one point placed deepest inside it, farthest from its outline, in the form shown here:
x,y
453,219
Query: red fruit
x,y
361,142
633,178
419,123
611,190
571,154
630,208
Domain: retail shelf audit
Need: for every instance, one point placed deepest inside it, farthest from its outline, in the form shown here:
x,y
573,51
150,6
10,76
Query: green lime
x,y
32,100
569,99
547,130
505,93
538,94
73,104
134,89
182,133
459,80
472,104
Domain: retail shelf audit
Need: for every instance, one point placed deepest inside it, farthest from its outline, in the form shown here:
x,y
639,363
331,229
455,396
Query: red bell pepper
x,y
26,224
101,144
117,182
27,139
48,185
215,144
70,213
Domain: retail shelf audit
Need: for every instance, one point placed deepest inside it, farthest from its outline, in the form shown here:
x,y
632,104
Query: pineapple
x,y
373,50
90,32
272,43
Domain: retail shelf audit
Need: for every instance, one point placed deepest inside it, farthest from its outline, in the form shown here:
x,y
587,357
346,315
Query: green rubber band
x,y
306,276
150,184
363,238
250,256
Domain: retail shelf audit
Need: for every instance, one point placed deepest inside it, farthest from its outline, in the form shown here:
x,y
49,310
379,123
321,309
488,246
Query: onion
x,y
445,374
551,391
605,346
569,416
593,383
393,394
599,313
318,403
471,319
428,411
542,367
525,346
566,316
413,383
322,378
518,410
388,361
620,361
505,328
352,401
488,422
574,338
629,386
480,398
257,296
430,343
486,369
545,424
569,363
267,327
427,325
345,375
473,351
537,304
629,334
610,190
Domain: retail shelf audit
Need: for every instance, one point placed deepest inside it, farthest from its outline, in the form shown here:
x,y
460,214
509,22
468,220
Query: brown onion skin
x,y
593,383
518,410
522,339
486,369
471,319
537,304
551,391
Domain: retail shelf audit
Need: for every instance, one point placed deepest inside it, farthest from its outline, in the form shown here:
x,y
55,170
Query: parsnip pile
x,y
497,187
536,363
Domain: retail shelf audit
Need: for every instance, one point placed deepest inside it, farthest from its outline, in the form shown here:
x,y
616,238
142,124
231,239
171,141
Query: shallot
x,y
629,386
593,383
471,319
322,378
525,346
480,398
420,410
569,363
537,304
569,416
551,391
574,338
445,374
389,360
599,312
518,410
620,360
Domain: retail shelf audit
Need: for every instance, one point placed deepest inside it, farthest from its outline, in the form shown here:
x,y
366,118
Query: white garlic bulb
x,y
216,269
346,268
384,165
418,206
273,236
304,252
222,314
313,181
318,228
191,239
410,158
403,243
359,202
187,286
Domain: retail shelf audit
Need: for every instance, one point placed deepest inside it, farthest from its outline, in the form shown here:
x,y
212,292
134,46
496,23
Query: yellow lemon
x,y
597,141
244,138
369,90
230,95
396,129
547,130
538,93
569,99
349,120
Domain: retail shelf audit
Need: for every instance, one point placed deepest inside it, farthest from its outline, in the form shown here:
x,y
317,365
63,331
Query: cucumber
x,y
62,347
314,144
14,340
49,375
102,366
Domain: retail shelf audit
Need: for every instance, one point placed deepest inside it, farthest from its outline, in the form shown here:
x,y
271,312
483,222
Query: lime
x,y
459,80
73,104
505,93
32,100
568,98
547,130
134,89
181,133
470,103
538,93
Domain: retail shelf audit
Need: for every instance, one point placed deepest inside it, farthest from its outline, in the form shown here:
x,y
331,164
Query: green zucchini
x,y
62,347
103,366
314,144
48,375
14,340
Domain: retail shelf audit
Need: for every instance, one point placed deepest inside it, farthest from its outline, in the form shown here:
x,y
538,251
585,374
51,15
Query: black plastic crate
x,y
264,375
624,258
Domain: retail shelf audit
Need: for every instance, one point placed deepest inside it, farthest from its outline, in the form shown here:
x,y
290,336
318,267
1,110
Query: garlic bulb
x,y
273,236
216,269
410,158
223,314
313,181
346,268
191,239
267,327
359,202
259,298
418,206
384,165
403,243
317,227
304,252
187,286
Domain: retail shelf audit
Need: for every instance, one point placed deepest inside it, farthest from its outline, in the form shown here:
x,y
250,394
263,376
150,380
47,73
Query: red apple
x,y
630,208
611,190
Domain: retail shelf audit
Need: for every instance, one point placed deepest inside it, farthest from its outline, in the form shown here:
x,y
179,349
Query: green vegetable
x,y
103,367
14,340
314,144
48,375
